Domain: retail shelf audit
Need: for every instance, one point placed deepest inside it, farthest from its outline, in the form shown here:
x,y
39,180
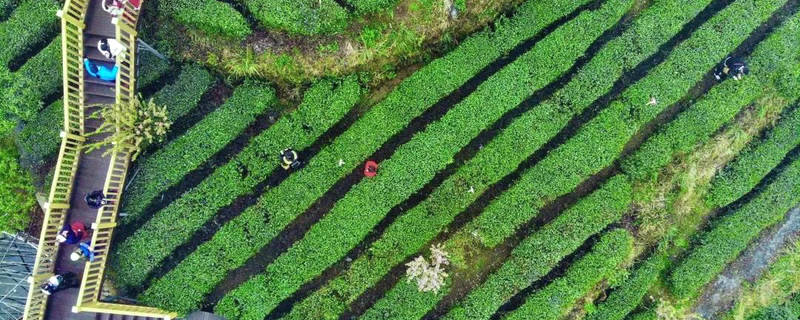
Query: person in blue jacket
x,y
102,72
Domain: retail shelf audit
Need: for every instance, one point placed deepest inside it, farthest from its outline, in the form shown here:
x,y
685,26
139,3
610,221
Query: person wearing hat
x,y
83,252
59,282
111,48
95,199
73,233
289,159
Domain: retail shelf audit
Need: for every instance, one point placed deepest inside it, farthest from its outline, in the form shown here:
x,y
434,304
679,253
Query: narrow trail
x,y
464,155
366,300
720,295
552,210
297,228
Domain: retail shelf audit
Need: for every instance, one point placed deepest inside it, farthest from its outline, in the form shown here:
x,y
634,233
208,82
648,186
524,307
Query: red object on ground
x,y
371,169
136,3
80,230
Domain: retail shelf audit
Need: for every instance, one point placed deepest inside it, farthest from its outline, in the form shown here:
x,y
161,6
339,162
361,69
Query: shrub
x,y
733,232
597,144
182,96
237,177
415,163
412,97
6,7
129,127
303,17
751,165
16,191
560,296
212,17
32,23
370,6
149,69
627,296
39,140
412,230
24,90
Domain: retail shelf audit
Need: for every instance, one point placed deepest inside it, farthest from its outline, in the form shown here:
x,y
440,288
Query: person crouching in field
x,y
735,68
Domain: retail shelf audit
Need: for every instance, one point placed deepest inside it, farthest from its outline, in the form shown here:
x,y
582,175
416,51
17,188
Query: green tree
x,y
16,190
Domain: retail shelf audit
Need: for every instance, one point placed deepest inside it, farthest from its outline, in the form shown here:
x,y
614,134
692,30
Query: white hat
x,y
61,238
75,256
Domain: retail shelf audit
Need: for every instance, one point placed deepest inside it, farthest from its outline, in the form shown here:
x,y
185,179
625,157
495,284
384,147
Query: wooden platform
x,y
92,170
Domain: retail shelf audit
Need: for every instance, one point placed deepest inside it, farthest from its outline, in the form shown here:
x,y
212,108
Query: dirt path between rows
x,y
719,297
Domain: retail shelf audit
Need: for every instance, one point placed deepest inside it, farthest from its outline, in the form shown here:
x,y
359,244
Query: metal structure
x,y
17,256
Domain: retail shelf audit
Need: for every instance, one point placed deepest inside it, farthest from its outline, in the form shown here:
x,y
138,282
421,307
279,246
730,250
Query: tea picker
x,y
60,282
735,68
289,159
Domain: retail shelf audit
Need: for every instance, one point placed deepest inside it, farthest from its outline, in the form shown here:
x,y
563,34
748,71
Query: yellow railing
x,y
72,17
72,25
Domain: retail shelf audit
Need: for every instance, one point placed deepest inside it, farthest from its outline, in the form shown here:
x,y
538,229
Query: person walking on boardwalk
x,y
101,72
60,282
95,199
111,48
83,252
73,233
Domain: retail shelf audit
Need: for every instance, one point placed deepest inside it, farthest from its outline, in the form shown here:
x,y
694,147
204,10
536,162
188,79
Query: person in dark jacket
x,y
60,282
95,199
735,68
289,159
101,72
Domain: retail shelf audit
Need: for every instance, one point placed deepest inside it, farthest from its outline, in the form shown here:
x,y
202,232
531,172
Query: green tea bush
x,y
303,17
6,7
182,96
416,162
731,234
16,191
212,17
415,94
165,167
150,68
416,227
598,143
39,140
753,164
541,251
31,23
560,296
21,92
629,293
237,177
769,65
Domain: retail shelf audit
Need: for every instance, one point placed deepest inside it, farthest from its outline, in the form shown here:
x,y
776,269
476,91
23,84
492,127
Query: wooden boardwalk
x,y
93,166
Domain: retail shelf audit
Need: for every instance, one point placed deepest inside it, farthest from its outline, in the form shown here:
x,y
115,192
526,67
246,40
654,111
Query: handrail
x,y
73,137
72,24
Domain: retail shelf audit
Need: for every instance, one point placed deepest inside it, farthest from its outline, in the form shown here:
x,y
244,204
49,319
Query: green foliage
x,y
371,6
627,296
753,164
23,91
32,23
560,296
166,167
774,61
212,17
150,68
302,17
16,190
182,96
39,140
129,127
322,107
540,252
599,142
412,97
6,7
416,162
733,232
774,312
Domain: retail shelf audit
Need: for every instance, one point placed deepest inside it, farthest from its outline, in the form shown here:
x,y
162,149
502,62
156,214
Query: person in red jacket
x,y
371,169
